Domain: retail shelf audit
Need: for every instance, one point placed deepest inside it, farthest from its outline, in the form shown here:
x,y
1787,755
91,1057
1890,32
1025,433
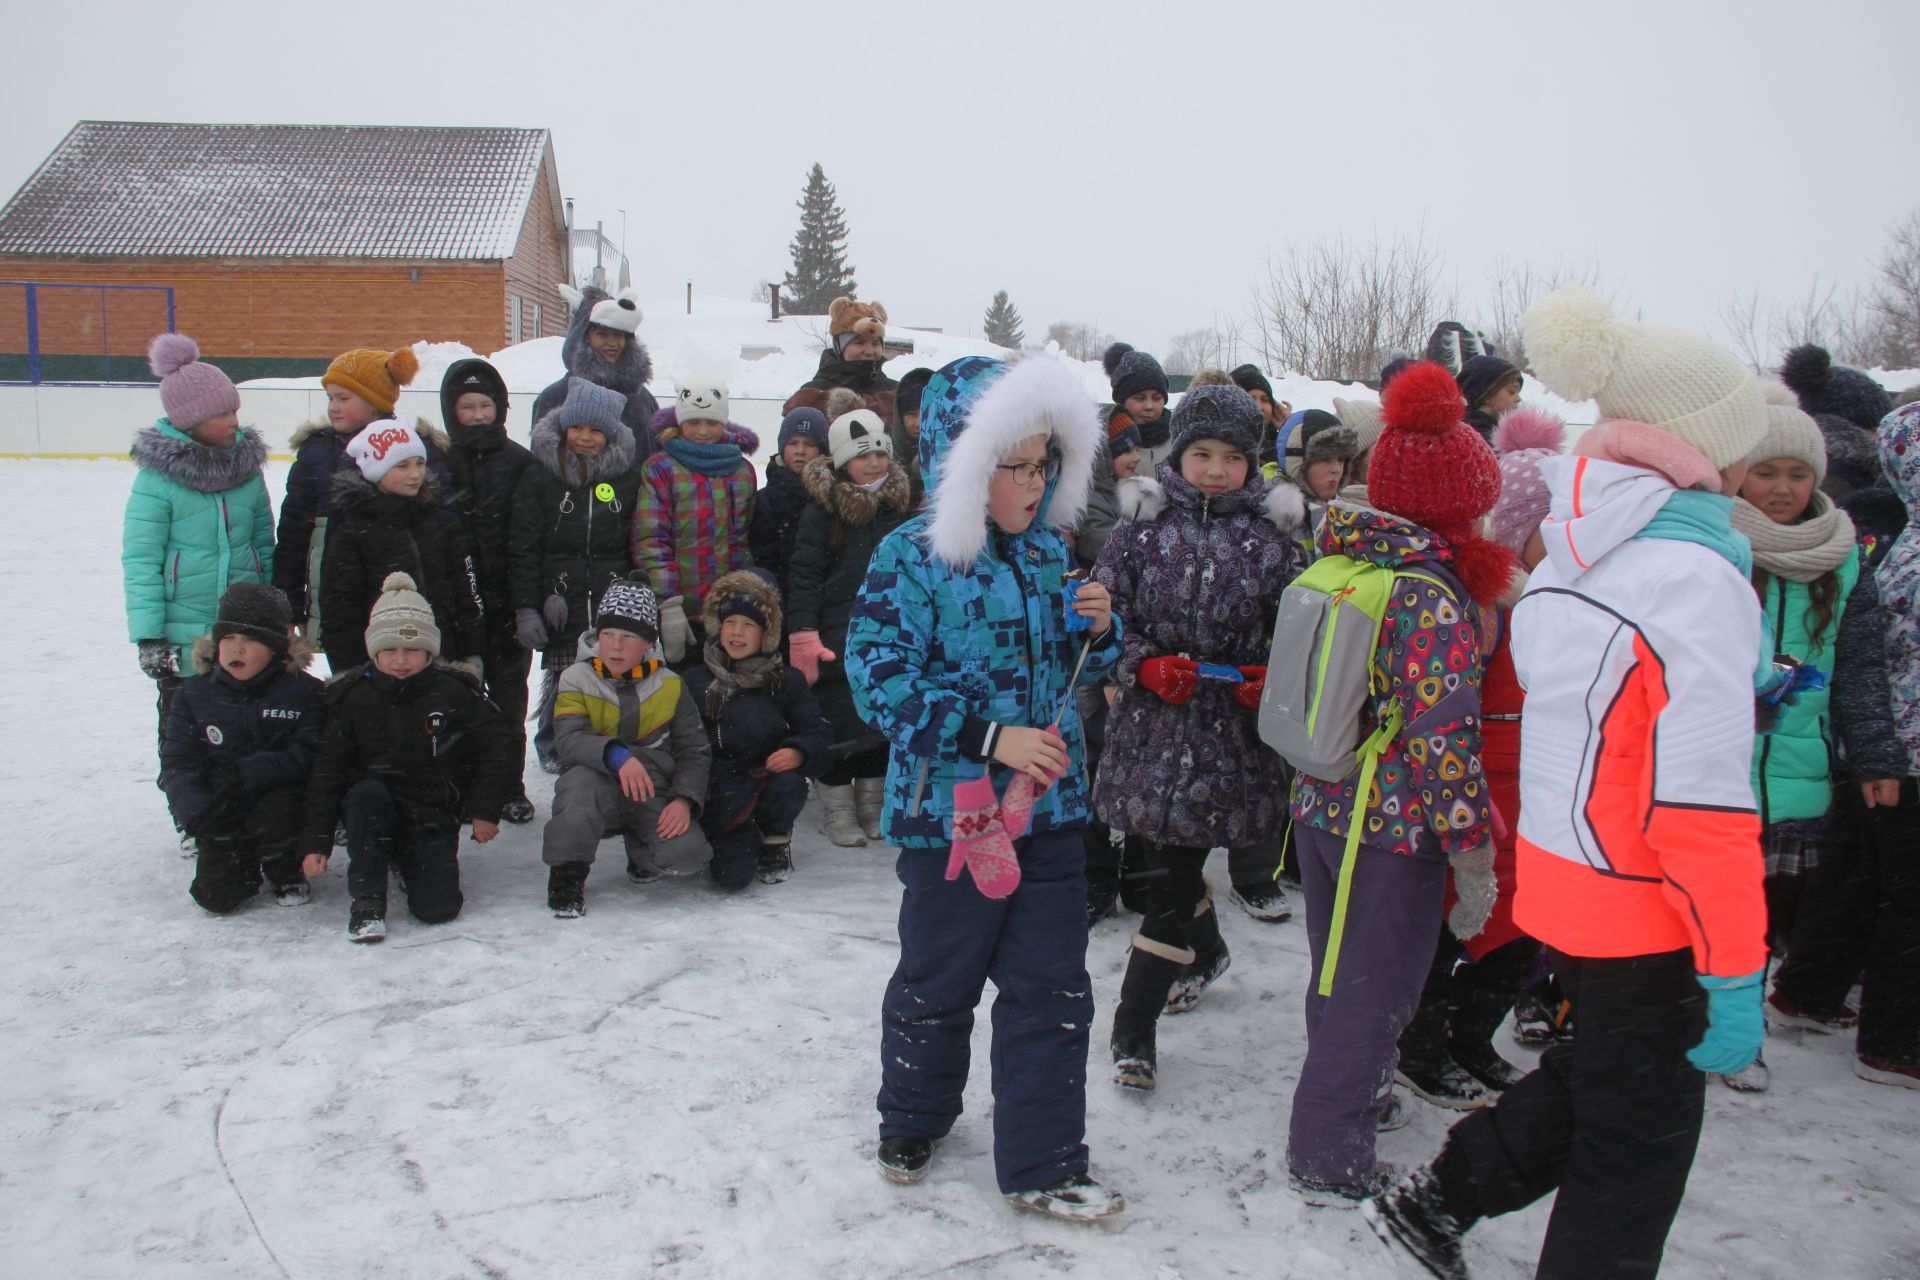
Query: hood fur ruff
x,y
1037,396
749,583
614,460
1143,498
206,655
428,432
849,503
200,467
666,426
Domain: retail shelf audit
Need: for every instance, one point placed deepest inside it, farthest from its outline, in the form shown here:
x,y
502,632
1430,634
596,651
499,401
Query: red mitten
x,y
806,653
1252,681
980,842
1174,679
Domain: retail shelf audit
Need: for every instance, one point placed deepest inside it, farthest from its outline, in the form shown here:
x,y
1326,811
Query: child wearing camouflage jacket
x,y
958,651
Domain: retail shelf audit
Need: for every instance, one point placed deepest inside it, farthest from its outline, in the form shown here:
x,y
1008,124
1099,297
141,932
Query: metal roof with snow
x,y
121,189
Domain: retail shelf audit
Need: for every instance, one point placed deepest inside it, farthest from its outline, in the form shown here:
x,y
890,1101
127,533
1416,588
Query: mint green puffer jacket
x,y
198,521
1793,765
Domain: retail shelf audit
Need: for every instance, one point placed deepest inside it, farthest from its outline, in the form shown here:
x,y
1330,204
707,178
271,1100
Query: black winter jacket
x,y
571,536
486,469
755,723
375,533
227,740
319,453
444,751
776,521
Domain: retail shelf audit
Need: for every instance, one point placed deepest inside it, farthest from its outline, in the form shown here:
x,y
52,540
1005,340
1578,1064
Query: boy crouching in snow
x,y
959,652
411,750
238,740
633,755
765,728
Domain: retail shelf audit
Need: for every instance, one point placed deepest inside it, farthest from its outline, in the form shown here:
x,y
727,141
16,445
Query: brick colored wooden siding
x,y
538,266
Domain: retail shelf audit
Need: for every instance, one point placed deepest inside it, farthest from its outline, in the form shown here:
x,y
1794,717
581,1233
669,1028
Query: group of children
x,y
1035,648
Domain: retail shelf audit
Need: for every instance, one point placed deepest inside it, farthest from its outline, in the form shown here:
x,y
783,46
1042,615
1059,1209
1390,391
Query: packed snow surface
x,y
680,1084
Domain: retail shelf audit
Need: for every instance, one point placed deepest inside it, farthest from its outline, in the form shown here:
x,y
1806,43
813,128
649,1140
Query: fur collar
x,y
206,655
1143,498
200,467
630,373
1036,396
436,438
666,426
614,460
848,503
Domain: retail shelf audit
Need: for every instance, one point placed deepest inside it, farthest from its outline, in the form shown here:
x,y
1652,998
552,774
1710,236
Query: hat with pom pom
x,y
1429,466
1526,437
374,376
1675,382
401,618
1130,372
191,390
1825,387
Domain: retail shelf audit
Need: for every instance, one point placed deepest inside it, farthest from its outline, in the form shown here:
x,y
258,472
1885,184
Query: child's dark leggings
x,y
236,845
379,835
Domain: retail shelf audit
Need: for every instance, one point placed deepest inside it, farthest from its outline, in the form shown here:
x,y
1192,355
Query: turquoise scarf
x,y
712,460
1706,520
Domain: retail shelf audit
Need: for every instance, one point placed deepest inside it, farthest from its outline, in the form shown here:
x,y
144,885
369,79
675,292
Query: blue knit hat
x,y
804,424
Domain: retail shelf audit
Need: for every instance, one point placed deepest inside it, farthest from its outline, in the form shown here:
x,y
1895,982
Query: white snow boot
x,y
869,798
837,817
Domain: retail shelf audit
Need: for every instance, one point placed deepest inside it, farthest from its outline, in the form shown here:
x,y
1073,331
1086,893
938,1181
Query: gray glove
x,y
1474,890
676,633
554,612
158,660
528,629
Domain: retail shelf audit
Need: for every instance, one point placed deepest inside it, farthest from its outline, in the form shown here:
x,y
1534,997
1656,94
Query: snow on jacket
x,y
261,733
569,532
318,453
689,529
839,532
486,468
1793,765
1897,577
777,509
959,626
864,376
197,521
1638,832
601,716
376,533
1862,699
445,753
1195,577
1430,796
628,375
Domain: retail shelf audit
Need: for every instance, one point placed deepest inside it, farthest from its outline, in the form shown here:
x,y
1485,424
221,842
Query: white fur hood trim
x,y
1036,396
1140,498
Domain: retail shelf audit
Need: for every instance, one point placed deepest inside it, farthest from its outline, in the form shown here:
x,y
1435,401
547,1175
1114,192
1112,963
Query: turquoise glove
x,y
1735,1027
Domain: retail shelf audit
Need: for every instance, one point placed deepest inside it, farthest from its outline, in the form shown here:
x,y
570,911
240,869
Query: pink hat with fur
x,y
1525,438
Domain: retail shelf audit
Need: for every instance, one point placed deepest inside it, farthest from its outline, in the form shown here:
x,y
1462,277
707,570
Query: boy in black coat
x,y
486,466
239,739
767,734
411,750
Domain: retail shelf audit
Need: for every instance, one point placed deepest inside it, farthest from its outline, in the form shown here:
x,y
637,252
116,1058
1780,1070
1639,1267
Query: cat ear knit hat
x,y
1675,382
191,390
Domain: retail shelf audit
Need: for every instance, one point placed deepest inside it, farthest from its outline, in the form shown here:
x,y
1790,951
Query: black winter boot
x,y
1483,994
1210,960
1143,992
567,889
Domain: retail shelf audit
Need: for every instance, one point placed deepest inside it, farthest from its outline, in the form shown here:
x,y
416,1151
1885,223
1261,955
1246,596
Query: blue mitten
x,y
1735,1027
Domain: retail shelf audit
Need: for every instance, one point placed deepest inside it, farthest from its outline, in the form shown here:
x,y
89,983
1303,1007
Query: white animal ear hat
x,y
701,397
855,433
621,313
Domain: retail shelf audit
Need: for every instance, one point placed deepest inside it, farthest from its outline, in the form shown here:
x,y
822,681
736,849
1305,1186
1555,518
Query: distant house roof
x,y
120,189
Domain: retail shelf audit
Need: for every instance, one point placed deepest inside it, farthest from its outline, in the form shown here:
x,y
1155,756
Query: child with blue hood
x,y
959,652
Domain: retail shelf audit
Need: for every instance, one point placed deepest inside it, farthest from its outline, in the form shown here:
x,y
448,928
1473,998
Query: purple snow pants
x,y
1393,925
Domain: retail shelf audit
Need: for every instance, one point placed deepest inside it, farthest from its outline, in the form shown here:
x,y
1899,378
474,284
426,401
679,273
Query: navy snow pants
x,y
740,810
1033,945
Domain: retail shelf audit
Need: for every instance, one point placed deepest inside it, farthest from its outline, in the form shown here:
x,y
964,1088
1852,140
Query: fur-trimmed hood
x,y
204,468
436,439
351,491
632,371
975,410
851,504
1143,498
549,439
666,426
756,586
299,655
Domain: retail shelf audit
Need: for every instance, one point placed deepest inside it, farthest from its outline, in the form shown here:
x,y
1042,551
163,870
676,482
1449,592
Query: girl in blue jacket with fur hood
x,y
959,652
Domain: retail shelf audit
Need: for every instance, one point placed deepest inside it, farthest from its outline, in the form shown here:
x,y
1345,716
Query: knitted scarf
x,y
1818,544
711,460
731,676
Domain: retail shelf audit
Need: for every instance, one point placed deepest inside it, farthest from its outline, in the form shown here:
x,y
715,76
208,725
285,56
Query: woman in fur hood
x,y
198,520
603,346
1196,569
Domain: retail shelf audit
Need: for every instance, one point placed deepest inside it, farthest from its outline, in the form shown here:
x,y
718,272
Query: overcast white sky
x,y
1123,163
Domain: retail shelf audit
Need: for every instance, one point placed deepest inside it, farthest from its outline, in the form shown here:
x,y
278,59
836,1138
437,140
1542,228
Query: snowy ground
x,y
678,1085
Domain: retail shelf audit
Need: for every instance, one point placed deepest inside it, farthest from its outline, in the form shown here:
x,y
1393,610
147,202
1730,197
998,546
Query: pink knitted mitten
x,y
980,842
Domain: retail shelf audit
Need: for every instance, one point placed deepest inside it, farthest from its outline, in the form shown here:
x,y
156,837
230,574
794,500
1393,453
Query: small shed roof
x,y
123,189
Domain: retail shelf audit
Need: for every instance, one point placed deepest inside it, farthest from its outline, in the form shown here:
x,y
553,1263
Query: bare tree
x,y
1896,297
1194,350
1079,341
1841,321
1335,309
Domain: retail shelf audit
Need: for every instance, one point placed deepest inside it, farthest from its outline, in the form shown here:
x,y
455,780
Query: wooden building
x,y
282,245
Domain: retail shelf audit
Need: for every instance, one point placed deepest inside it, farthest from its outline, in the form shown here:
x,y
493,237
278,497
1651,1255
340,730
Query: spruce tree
x,y
820,272
1003,323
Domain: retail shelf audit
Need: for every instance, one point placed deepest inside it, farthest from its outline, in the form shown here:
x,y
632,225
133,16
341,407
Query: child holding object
x,y
959,652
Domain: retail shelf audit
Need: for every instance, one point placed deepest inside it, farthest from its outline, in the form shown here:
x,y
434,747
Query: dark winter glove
x,y
1253,682
528,629
1174,679
554,614
158,660
1474,889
